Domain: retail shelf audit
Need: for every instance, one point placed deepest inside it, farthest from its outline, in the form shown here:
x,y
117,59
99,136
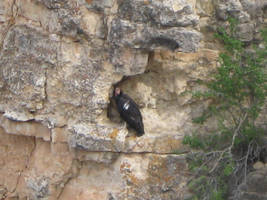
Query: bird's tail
x,y
140,131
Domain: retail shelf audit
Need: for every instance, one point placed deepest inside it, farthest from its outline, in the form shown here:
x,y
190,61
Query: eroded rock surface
x,y
59,61
255,187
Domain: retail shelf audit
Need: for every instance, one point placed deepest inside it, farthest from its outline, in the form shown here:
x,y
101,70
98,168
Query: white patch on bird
x,y
126,105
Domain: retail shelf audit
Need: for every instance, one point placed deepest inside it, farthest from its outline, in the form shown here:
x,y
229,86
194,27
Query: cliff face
x,y
59,61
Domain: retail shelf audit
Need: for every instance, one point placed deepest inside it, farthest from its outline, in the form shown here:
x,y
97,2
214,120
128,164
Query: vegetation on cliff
x,y
238,92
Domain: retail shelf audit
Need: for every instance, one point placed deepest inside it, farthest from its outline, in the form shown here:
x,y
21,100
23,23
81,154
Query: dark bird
x,y
129,111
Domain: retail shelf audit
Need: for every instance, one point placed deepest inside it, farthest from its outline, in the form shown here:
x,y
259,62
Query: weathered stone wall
x,y
59,61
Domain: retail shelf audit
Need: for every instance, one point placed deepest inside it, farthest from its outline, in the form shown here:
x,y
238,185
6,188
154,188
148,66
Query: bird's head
x,y
117,91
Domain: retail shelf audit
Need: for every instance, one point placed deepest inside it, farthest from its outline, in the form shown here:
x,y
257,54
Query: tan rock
x,y
130,177
255,186
128,61
258,165
97,157
32,13
47,172
92,23
25,128
59,135
205,7
15,154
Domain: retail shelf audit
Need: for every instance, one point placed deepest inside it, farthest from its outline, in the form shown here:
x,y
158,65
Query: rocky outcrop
x,y
255,186
59,61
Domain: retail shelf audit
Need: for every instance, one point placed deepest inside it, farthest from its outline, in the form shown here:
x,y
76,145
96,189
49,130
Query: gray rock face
x,y
53,4
226,8
256,185
97,138
248,13
245,31
25,74
167,13
139,36
150,188
39,188
128,61
23,41
98,5
67,17
147,26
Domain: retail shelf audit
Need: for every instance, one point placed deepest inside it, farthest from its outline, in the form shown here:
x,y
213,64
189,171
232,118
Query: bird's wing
x,y
132,101
130,113
130,107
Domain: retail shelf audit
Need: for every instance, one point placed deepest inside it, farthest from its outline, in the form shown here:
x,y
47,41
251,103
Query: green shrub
x,y
238,89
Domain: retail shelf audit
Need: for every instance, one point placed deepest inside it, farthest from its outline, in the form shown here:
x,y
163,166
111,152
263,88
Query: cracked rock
x,y
26,55
139,36
39,187
168,13
97,138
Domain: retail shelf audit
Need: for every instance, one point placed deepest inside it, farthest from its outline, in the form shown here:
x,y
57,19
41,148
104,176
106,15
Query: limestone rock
x,y
53,4
59,135
245,32
25,128
98,5
139,36
59,63
97,138
128,61
165,13
256,185
48,170
25,75
131,177
15,153
248,13
39,187
106,158
205,8
232,7
17,116
67,17
258,165
254,8
92,24
104,139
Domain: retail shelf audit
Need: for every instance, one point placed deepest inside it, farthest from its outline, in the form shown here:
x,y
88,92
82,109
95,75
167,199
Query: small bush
x,y
239,90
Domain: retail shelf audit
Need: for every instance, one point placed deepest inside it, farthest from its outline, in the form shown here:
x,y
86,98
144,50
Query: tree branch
x,y
229,149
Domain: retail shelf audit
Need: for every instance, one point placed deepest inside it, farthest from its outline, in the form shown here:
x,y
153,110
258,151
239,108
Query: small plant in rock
x,y
238,90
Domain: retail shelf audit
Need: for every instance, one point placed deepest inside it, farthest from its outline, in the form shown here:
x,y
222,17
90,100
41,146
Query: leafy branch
x,y
229,149
238,90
